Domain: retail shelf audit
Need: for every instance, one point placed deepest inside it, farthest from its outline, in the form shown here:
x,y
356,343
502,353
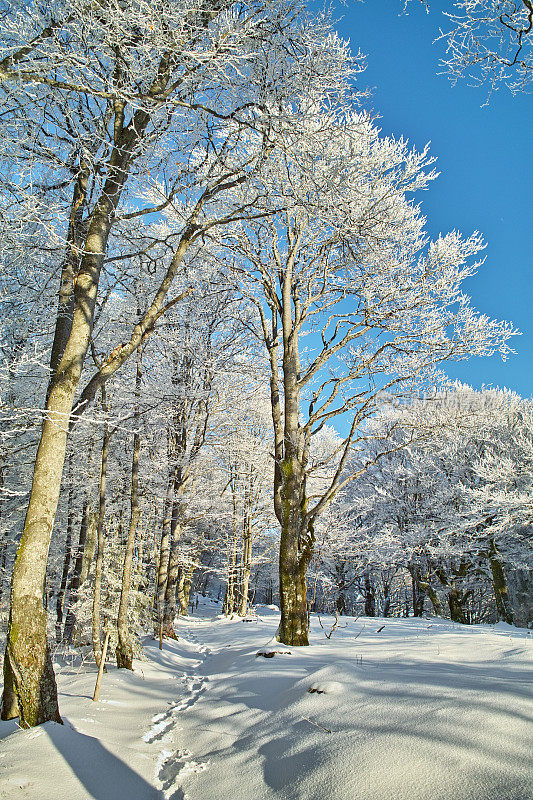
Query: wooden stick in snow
x,y
101,668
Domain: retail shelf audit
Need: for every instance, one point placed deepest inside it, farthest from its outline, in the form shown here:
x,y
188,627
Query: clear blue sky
x,y
484,157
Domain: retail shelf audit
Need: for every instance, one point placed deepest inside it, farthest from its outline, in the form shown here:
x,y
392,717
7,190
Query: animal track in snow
x,y
172,765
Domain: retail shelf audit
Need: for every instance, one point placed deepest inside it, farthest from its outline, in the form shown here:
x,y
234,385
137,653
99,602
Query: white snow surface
x,y
422,710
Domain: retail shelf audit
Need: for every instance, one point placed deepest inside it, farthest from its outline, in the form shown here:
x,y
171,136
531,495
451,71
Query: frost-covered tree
x,y
353,305
445,507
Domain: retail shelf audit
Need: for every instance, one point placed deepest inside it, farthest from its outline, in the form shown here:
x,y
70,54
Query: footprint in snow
x,y
177,764
163,723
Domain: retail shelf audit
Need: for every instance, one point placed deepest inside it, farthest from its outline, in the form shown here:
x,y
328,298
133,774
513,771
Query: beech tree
x,y
107,103
349,268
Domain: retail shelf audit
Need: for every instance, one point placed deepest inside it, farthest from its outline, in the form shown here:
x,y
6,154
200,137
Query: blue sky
x,y
484,157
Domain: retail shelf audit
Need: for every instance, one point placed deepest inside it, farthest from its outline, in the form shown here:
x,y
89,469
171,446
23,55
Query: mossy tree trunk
x,y
299,295
456,596
433,597
297,537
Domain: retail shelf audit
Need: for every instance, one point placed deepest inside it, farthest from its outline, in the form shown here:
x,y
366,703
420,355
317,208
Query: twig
x,y
317,725
360,632
335,624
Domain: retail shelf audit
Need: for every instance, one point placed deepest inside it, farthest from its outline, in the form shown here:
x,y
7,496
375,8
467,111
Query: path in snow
x,y
120,748
416,710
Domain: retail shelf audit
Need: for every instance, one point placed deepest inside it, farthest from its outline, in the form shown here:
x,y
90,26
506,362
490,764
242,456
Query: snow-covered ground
x,y
419,710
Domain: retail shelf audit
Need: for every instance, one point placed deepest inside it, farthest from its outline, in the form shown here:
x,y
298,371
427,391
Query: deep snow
x,y
422,710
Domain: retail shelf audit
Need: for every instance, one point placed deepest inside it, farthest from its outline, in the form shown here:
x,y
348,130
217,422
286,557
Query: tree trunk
x,y
66,563
418,592
164,555
386,601
370,595
3,541
293,629
293,558
456,605
75,578
30,686
246,567
433,597
97,645
184,588
3,560
124,651
501,595
171,587
230,600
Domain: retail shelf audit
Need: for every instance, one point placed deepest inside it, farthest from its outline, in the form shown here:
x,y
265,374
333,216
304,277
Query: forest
x,y
224,340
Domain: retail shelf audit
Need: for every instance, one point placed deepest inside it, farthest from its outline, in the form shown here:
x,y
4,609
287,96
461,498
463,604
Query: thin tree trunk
x,y
3,560
164,556
246,567
3,541
75,578
370,595
171,587
229,598
417,591
124,651
66,560
100,539
101,668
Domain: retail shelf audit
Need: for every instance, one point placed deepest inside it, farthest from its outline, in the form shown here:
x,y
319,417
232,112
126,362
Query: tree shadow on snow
x,y
103,775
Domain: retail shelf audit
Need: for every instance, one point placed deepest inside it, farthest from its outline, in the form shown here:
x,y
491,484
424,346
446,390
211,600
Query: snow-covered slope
x,y
419,710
